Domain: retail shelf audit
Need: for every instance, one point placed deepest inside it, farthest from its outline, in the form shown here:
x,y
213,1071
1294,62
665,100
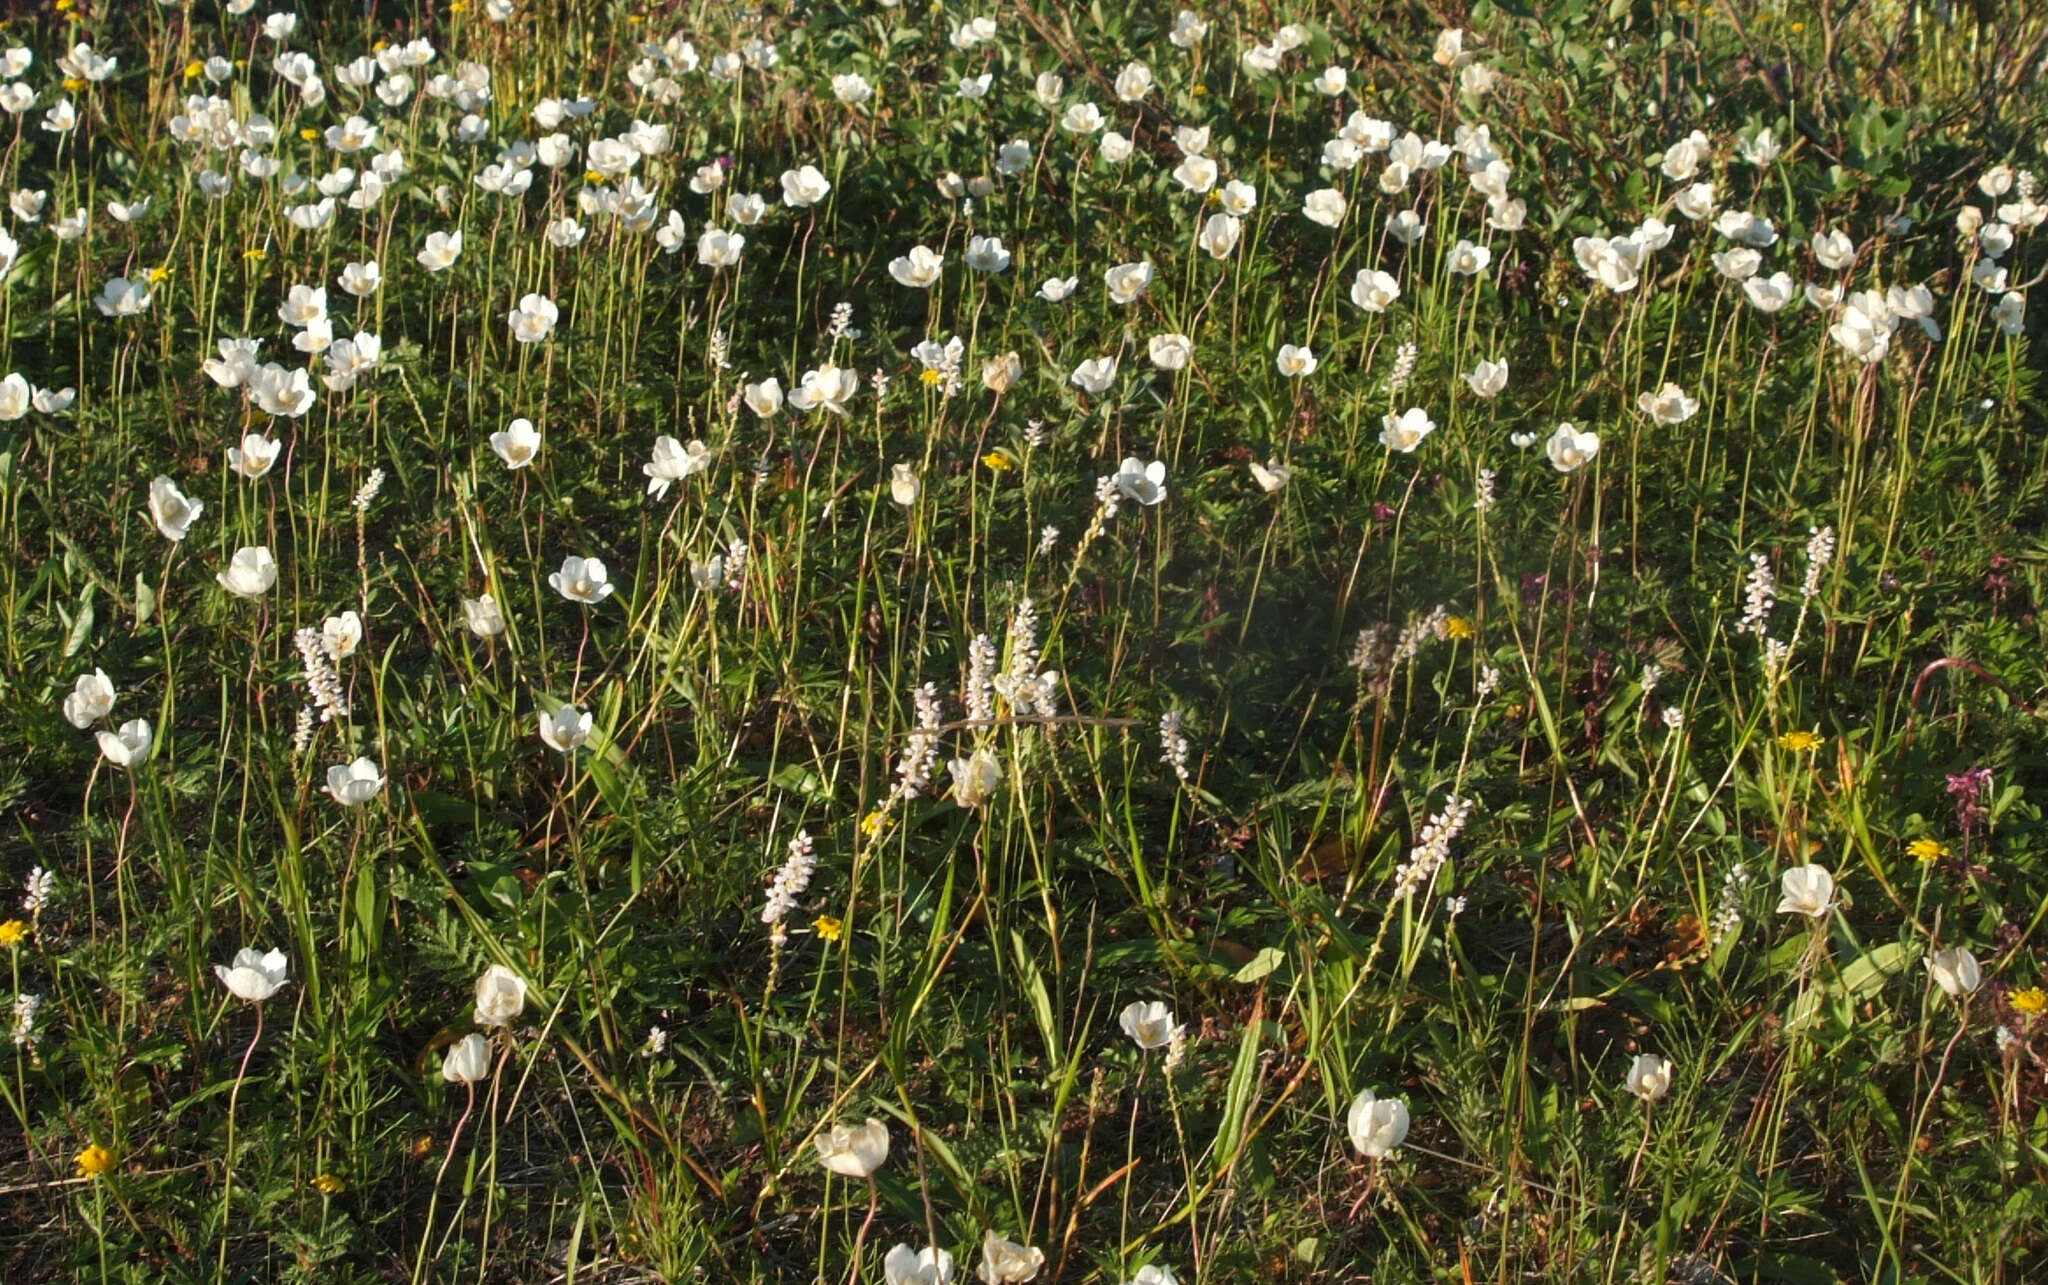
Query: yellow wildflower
x,y
1798,741
2031,1000
74,84
931,378
828,927
1459,628
329,1185
94,1162
874,823
255,254
194,69
999,460
13,933
309,134
1927,849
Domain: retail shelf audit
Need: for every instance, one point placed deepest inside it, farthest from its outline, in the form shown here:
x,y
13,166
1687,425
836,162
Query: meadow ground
x,y
1036,641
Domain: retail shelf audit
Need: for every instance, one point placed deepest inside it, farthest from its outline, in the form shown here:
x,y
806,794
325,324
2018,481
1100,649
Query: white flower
x,y
172,511
906,1266
1133,82
972,87
1239,199
1056,289
764,398
341,635
1864,329
1739,264
1450,47
1116,148
500,996
468,1060
1806,890
828,388
128,744
534,319
483,617
1145,483
1095,375
1488,378
1219,235
518,443
1325,205
250,573
1570,448
1696,202
91,699
1082,118
565,729
1956,971
1170,352
1772,293
440,251
854,1151
1406,226
1469,260
672,462
1377,1125
1649,1076
1404,432
361,279
986,254
1668,405
1272,476
1196,173
1013,158
975,778
1127,281
254,976
1296,362
120,297
1833,250
1373,290
803,187
1331,82
1150,1024
1005,1262
354,784
852,89
904,486
583,580
1914,303
1760,149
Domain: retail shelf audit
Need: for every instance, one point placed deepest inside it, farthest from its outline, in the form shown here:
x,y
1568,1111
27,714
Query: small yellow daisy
x,y
1458,627
1925,849
1798,741
827,927
329,1185
2030,1000
13,933
94,1162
